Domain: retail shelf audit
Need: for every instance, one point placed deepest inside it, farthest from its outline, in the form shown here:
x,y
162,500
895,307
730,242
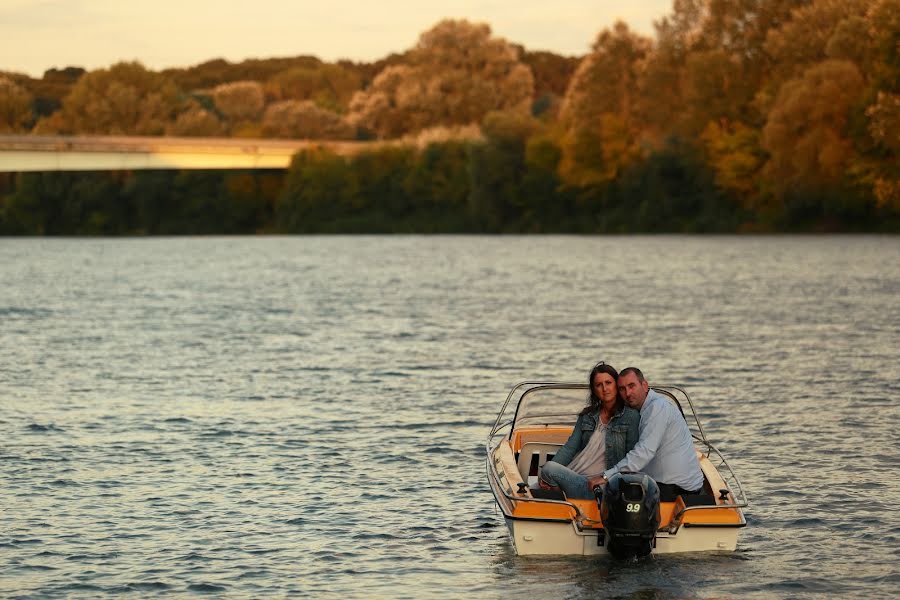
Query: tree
x,y
804,39
16,115
382,203
884,126
602,130
329,86
715,90
438,178
197,121
883,25
736,156
709,63
240,100
241,104
124,99
456,74
546,204
806,133
318,189
862,33
497,167
552,74
304,119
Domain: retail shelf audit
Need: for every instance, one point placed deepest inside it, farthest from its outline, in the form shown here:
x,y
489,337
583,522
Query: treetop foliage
x,y
777,112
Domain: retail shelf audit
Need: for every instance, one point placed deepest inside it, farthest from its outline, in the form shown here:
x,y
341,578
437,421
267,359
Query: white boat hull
x,y
546,538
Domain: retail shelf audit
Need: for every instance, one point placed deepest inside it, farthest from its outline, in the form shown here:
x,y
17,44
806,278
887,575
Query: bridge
x,y
20,153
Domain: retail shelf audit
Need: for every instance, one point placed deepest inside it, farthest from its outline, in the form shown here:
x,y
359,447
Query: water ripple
x,y
271,417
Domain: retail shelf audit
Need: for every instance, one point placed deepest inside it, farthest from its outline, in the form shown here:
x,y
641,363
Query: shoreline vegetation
x,y
767,116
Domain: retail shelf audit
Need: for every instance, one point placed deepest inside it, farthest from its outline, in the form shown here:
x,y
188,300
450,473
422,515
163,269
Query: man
x,y
665,450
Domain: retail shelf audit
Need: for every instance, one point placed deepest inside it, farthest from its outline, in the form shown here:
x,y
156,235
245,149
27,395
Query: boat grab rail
x,y
670,390
735,487
724,469
733,484
530,384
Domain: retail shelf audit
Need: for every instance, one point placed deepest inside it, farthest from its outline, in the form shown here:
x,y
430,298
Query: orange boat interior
x,y
529,448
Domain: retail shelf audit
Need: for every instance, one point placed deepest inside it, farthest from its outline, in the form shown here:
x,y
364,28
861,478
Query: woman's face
x,y
604,387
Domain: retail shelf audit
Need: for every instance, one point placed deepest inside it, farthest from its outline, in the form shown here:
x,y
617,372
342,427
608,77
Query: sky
x,y
36,35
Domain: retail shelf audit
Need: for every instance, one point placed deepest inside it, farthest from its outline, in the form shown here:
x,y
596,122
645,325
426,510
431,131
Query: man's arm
x,y
652,428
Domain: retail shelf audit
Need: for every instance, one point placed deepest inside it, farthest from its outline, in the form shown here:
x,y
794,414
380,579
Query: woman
x,y
604,433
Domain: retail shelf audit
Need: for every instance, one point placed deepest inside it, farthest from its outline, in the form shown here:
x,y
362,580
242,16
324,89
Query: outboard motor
x,y
629,510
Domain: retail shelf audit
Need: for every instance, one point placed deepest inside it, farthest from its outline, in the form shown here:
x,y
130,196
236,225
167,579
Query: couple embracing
x,y
626,426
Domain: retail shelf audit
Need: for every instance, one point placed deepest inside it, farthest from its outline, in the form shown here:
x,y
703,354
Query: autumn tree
x,y
124,99
330,86
804,39
701,84
709,62
807,131
456,74
47,92
602,131
882,23
740,28
239,100
857,33
241,104
552,74
15,107
661,98
304,119
884,127
197,121
736,155
218,71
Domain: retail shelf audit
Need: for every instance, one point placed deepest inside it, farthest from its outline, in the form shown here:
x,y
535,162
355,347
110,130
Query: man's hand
x,y
595,481
544,485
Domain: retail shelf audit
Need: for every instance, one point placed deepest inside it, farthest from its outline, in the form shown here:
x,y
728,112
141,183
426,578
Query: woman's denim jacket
x,y
621,436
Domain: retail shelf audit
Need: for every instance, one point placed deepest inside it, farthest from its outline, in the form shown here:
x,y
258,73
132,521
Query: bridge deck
x,y
105,153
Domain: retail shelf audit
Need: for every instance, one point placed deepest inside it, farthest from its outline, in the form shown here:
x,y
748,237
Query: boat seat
x,y
547,494
533,455
698,500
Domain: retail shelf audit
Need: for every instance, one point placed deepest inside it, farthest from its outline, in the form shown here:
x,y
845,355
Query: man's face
x,y
633,391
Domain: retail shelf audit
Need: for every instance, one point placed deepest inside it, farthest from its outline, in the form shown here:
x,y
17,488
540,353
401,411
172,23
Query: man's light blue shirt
x,y
665,450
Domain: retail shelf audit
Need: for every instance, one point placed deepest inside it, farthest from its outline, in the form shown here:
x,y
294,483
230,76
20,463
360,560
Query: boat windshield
x,y
558,404
550,405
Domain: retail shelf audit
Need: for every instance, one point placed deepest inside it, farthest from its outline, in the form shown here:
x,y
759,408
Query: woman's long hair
x,y
593,400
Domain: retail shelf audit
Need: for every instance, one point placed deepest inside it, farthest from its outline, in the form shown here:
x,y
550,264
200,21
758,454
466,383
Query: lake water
x,y
306,416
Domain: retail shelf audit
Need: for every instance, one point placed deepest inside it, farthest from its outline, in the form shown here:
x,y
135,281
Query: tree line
x,y
738,115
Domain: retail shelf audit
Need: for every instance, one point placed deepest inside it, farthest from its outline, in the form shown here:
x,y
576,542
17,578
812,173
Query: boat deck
x,y
530,448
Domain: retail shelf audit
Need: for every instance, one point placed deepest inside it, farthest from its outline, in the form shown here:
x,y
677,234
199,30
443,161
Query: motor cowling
x,y
629,509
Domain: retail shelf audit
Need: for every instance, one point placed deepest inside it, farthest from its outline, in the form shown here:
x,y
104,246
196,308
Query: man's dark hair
x,y
635,370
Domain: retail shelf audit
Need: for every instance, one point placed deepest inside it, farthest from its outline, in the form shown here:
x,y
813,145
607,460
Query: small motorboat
x,y
536,420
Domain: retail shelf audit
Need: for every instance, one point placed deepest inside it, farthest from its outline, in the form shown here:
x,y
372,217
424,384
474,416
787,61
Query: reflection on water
x,y
299,416
603,577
